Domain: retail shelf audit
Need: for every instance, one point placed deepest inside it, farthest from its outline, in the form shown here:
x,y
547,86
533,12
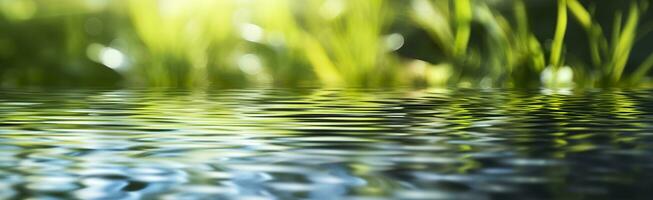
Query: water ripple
x,y
325,144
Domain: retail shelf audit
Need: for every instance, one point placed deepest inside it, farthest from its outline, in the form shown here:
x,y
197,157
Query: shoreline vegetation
x,y
331,43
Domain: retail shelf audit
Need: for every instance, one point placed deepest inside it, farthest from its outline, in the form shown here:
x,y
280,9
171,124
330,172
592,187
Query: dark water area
x,y
326,144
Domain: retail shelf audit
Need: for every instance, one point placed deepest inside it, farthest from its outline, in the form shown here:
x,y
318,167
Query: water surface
x,y
326,144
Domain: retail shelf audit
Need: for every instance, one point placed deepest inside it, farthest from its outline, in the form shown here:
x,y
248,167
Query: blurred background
x,y
330,43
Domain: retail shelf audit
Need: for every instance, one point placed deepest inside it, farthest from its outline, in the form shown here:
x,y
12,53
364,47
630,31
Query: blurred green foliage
x,y
288,43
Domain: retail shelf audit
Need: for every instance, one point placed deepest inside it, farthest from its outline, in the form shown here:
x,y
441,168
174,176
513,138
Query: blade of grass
x,y
325,70
436,24
580,13
642,70
625,42
463,30
522,19
593,30
616,31
530,42
559,37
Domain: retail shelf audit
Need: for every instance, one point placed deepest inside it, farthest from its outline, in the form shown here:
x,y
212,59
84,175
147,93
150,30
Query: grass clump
x,y
376,43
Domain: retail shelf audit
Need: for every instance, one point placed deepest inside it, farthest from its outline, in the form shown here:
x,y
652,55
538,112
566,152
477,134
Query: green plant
x,y
610,57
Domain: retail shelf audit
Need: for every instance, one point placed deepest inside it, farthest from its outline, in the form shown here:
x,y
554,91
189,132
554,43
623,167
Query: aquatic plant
x,y
609,57
507,57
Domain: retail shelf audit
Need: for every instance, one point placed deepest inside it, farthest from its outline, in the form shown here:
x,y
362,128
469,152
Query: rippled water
x,y
326,144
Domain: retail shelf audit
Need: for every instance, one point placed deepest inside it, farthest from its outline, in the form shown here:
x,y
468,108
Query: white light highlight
x,y
112,58
251,32
250,64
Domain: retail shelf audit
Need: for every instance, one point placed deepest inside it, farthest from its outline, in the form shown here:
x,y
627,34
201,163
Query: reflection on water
x,y
325,144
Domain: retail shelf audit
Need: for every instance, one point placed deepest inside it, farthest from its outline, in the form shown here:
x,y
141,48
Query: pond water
x,y
326,144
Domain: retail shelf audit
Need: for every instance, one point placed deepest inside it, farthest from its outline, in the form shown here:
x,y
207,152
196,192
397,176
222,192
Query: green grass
x,y
336,43
610,57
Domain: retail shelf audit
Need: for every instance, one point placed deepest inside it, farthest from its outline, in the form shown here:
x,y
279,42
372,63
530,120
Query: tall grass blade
x,y
559,37
580,13
463,25
642,70
625,42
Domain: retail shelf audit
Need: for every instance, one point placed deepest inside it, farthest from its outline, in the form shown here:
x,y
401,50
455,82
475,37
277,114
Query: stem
x,y
558,40
463,29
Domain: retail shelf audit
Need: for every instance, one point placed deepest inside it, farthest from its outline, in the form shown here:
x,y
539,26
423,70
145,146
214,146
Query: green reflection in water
x,y
325,144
